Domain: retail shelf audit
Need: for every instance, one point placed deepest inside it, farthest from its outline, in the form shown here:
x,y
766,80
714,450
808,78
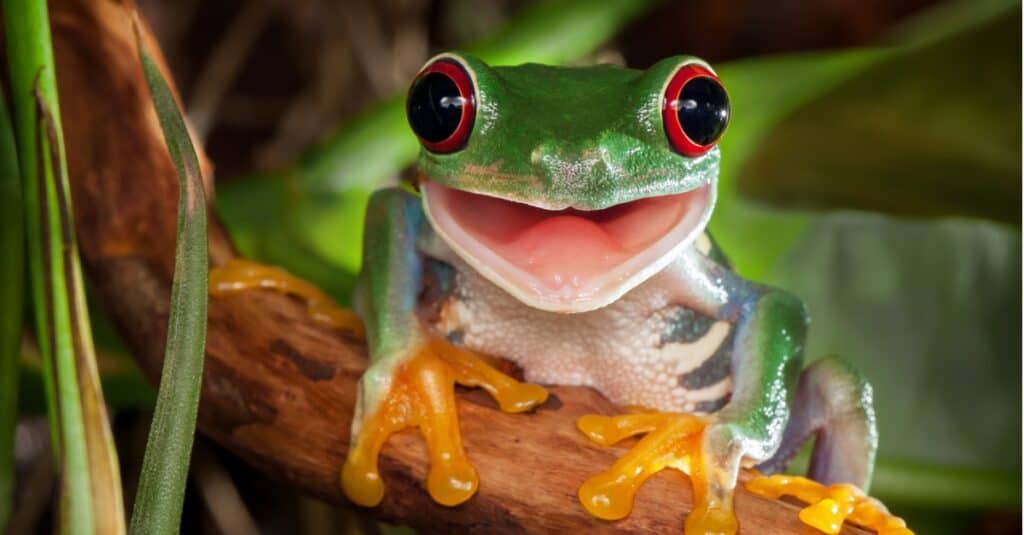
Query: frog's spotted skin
x,y
561,226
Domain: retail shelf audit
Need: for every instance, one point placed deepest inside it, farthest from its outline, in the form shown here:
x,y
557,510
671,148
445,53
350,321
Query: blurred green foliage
x,y
922,132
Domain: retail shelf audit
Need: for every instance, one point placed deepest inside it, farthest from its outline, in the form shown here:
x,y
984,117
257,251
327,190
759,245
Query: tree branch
x,y
279,389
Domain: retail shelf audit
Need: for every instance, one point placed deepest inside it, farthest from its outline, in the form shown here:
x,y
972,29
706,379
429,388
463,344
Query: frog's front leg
x,y
411,379
767,354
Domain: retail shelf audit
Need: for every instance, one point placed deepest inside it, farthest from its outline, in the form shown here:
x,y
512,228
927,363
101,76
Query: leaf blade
x,y
921,132
83,444
161,491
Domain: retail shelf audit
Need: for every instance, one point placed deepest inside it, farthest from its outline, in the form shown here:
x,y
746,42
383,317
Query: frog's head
x,y
567,186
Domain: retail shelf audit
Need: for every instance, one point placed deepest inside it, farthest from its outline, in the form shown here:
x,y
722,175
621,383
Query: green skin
x,y
573,113
535,125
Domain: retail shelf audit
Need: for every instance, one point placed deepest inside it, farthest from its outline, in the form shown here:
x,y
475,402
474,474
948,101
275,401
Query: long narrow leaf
x,y
12,272
161,491
91,483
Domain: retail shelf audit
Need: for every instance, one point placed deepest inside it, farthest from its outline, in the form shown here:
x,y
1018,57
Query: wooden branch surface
x,y
278,388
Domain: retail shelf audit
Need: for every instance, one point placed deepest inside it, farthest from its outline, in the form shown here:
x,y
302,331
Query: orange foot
x,y
831,505
672,441
421,394
240,274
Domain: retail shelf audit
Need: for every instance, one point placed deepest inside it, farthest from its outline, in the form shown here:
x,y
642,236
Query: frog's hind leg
x,y
834,403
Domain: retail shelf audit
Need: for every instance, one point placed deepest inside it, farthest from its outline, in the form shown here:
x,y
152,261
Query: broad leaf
x,y
930,312
927,130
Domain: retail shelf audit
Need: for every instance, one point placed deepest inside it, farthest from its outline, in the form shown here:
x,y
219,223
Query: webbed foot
x,y
671,441
420,393
830,505
240,274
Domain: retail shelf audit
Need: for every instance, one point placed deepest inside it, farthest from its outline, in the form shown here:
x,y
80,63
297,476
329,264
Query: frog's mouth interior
x,y
566,260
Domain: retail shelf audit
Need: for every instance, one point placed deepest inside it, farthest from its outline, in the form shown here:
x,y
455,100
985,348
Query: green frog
x,y
559,221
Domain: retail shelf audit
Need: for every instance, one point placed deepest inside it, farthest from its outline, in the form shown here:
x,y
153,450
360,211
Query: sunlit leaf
x,y
124,385
91,484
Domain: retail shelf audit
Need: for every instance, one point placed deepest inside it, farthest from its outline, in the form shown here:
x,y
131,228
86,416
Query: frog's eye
x,y
695,110
441,106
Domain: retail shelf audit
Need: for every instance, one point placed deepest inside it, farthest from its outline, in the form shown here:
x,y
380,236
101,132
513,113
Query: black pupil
x,y
434,107
703,109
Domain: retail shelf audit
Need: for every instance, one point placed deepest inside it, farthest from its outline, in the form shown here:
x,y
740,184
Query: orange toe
x,y
671,441
240,274
830,505
422,395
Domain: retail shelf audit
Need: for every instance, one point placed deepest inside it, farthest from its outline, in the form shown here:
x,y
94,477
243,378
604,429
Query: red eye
x,y
441,106
695,110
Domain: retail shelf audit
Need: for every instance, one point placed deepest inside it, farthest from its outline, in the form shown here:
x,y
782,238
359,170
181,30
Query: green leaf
x,y
263,217
124,385
12,272
161,492
762,91
924,131
767,93
91,487
930,312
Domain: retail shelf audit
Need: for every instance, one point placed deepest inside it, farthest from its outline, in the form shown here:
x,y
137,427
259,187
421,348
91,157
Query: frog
x,y
558,220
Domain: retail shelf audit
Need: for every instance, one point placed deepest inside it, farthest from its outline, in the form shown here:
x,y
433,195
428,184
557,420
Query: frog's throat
x,y
567,260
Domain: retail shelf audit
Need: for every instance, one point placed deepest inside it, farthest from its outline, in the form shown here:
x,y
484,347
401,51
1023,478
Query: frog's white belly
x,y
645,349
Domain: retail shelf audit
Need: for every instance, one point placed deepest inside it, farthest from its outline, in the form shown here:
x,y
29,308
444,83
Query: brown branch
x,y
279,388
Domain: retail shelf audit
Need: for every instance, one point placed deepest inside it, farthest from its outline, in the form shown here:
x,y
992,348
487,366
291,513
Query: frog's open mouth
x,y
567,260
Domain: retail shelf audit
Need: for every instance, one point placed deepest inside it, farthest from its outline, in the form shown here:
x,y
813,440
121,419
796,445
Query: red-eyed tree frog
x,y
560,224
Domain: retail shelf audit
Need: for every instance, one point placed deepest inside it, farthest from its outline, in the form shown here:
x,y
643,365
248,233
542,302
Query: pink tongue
x,y
566,250
563,250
